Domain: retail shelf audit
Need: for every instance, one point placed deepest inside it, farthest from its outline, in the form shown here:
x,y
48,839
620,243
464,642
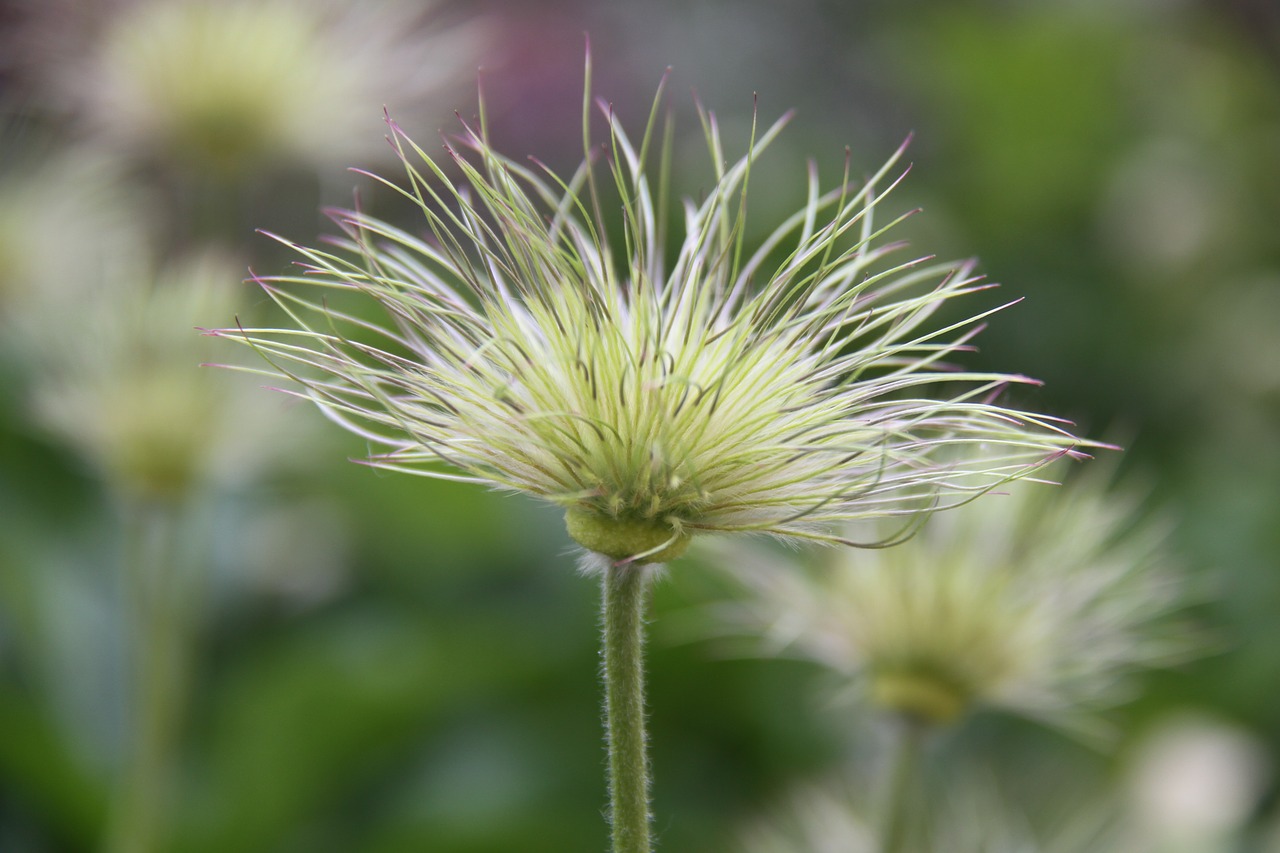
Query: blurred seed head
x,y
1194,782
63,218
1043,602
114,371
970,818
814,819
230,87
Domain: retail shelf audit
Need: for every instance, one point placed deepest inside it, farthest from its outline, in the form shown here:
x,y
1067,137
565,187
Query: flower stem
x,y
897,806
625,597
159,637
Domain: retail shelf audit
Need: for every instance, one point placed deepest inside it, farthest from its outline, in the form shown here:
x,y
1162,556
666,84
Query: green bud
x,y
620,538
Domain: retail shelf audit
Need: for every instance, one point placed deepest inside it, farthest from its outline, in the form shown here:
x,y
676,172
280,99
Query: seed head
x,y
231,87
833,817
64,218
542,336
1043,602
113,372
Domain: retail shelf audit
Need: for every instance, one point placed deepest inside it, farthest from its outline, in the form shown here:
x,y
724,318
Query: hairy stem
x,y
625,597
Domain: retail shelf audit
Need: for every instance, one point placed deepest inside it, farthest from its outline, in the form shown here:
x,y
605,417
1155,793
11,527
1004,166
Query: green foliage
x,y
424,680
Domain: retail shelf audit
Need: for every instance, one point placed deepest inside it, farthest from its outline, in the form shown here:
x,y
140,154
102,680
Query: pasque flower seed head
x,y
231,87
1044,602
534,336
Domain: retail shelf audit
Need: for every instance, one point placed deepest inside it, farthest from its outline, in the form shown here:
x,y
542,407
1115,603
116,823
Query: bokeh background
x,y
385,663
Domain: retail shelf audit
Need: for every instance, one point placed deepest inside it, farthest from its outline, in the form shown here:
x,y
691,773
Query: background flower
x,y
236,87
1192,784
1043,602
64,216
828,817
115,373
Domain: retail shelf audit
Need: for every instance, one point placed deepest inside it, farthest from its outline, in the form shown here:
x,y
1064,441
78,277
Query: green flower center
x,y
620,538
920,696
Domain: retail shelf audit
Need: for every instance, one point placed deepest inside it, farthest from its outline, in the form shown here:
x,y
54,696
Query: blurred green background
x,y
386,663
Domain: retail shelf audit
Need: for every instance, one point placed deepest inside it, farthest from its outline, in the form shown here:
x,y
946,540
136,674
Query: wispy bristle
x,y
731,391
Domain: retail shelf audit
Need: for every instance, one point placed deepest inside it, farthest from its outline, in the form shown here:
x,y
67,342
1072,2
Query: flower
x,y
532,341
233,87
1043,602
813,819
1194,782
829,817
112,367
63,218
